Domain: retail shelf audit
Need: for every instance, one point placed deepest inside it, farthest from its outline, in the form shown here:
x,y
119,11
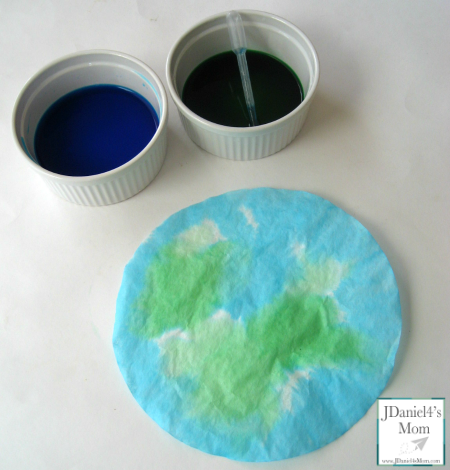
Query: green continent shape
x,y
233,377
184,286
241,368
302,331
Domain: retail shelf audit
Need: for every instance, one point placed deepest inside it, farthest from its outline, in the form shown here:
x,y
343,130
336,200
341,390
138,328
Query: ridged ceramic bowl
x,y
265,33
80,70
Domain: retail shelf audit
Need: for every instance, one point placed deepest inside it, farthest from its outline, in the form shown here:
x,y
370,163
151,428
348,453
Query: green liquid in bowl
x,y
214,90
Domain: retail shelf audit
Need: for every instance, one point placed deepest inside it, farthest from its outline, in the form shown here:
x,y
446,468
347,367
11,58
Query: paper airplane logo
x,y
412,446
420,442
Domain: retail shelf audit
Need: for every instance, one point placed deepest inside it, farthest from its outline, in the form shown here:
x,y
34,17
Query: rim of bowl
x,y
240,130
114,171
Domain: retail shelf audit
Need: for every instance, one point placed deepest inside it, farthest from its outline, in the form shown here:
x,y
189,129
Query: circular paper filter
x,y
258,325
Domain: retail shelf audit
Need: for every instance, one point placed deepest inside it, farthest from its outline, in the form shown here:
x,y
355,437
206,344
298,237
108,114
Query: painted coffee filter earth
x,y
258,325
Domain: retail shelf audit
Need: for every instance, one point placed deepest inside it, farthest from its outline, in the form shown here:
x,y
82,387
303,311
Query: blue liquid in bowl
x,y
93,130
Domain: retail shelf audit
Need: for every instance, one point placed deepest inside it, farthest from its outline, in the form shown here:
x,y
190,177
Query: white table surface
x,y
376,143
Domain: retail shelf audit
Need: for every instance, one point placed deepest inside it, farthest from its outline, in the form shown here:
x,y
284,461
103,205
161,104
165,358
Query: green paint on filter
x,y
233,376
181,290
187,280
241,369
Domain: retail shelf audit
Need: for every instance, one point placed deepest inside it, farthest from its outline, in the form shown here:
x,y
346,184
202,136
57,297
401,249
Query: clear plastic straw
x,y
239,47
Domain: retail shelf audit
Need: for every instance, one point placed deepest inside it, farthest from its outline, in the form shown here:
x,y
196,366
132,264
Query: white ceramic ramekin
x,y
266,33
77,71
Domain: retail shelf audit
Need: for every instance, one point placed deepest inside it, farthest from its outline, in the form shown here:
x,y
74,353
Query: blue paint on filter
x,y
93,130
